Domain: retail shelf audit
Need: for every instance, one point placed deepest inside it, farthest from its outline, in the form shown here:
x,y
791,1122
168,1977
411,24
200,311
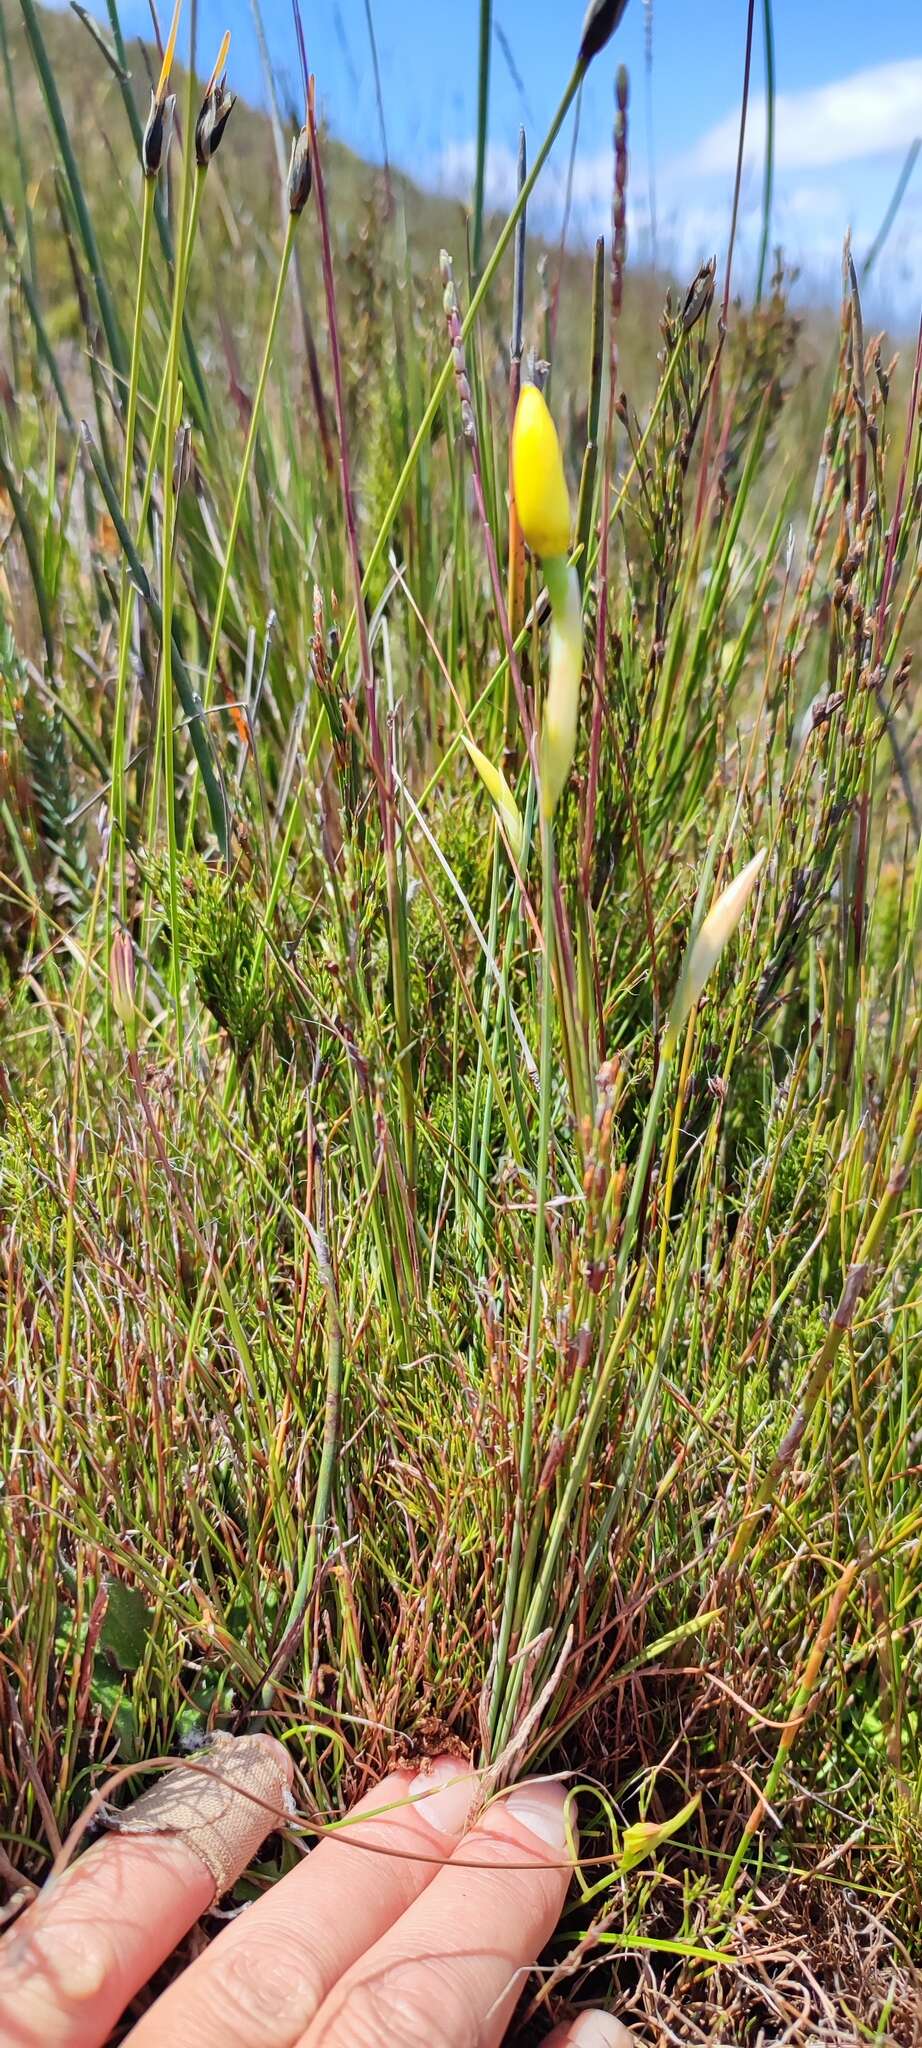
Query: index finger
x,y
260,1981
96,1933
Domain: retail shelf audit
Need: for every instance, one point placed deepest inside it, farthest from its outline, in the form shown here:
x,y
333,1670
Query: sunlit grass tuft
x,y
460,1198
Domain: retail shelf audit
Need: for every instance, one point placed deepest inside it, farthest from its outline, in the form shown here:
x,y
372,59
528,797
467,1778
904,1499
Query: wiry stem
x,y
853,1288
380,760
246,462
126,594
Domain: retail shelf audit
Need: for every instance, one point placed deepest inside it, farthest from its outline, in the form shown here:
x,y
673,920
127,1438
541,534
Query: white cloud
x,y
838,150
455,166
871,113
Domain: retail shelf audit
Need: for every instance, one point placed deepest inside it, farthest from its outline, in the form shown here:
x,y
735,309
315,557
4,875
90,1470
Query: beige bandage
x,y
223,1808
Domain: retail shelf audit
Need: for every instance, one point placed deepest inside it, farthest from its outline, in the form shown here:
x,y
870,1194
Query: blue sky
x,y
849,81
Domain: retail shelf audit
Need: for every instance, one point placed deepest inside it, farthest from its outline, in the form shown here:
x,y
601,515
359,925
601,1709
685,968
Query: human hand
x,y
405,1928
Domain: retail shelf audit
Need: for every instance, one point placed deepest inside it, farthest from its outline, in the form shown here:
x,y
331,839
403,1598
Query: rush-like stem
x,y
516,1590
126,594
853,1287
483,104
126,613
171,412
671,1163
325,1476
245,466
396,904
799,1711
47,1577
560,1530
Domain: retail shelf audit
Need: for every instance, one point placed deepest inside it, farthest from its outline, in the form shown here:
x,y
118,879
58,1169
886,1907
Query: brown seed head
x,y
300,173
601,20
216,110
155,140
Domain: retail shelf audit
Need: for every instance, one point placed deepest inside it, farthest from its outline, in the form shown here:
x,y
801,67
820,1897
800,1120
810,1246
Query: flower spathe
x,y
542,500
564,679
705,950
500,794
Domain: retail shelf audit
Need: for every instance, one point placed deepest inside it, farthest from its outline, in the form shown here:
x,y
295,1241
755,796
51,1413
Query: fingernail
x,y
541,1808
600,2030
444,1794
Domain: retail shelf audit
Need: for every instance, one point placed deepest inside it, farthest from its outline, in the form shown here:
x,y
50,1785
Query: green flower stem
x,y
503,1721
244,476
480,1126
126,594
513,1590
191,709
522,636
172,408
126,598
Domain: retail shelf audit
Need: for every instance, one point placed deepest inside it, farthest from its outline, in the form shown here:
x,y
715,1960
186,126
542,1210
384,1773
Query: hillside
x,y
241,226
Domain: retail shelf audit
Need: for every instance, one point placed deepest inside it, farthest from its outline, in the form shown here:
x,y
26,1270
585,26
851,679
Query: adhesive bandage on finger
x,y
222,1804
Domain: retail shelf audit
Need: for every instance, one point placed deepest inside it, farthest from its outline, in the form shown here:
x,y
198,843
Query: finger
x,y
260,1982
592,2030
95,1934
450,1971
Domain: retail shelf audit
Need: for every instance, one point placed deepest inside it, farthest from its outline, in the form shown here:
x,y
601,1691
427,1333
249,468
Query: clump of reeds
x,y
460,1095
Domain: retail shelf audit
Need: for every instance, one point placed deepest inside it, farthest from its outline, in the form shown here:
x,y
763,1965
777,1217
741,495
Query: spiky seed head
x,y
705,950
155,140
601,20
183,461
540,487
300,173
216,109
215,112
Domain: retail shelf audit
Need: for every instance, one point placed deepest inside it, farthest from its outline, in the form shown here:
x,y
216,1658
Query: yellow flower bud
x,y
705,951
644,1837
497,788
540,487
564,681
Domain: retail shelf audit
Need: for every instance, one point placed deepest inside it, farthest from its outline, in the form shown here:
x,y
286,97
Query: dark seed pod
x,y
183,462
602,19
300,173
155,140
217,107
